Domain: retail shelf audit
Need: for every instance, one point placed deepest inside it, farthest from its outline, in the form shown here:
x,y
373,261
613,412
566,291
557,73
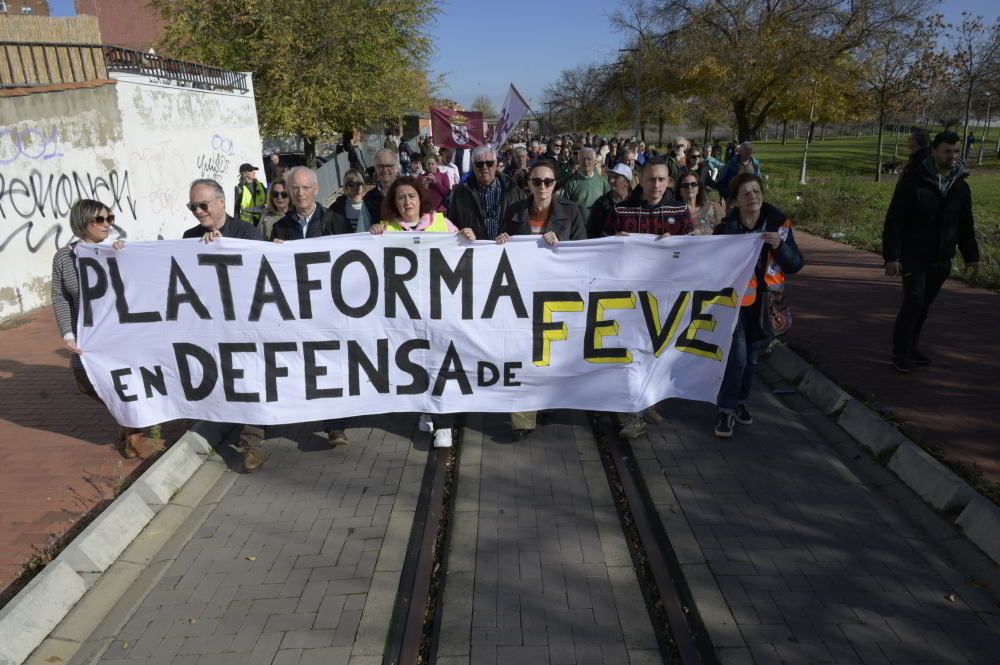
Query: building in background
x,y
32,7
129,23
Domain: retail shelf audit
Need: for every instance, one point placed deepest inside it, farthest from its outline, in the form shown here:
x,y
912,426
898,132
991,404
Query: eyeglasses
x,y
352,185
485,165
689,185
101,219
279,195
542,182
195,206
385,166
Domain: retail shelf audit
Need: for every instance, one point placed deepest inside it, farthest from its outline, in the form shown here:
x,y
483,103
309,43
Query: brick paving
x,y
844,308
538,569
792,559
57,459
299,563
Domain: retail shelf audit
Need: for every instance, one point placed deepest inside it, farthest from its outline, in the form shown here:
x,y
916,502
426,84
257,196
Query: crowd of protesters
x,y
562,188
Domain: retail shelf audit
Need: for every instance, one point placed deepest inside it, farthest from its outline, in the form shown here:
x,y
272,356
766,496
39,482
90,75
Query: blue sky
x,y
483,45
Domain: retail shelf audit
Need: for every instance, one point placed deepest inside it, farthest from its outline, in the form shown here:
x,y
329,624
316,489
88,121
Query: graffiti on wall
x,y
44,200
28,143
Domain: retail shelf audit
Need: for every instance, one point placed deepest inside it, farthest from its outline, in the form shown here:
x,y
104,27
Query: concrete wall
x,y
135,145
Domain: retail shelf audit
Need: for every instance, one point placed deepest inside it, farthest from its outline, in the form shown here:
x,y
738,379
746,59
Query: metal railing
x,y
200,76
30,64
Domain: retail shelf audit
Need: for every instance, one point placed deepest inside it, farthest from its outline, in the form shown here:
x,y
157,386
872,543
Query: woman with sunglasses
x,y
555,220
350,204
276,208
705,213
91,222
406,207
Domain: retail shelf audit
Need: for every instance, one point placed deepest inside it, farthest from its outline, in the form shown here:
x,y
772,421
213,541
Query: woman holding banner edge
x,y
554,219
91,222
780,256
407,207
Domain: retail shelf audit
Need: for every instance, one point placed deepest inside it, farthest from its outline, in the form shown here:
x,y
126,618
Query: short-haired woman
x,y
90,221
406,207
780,256
350,205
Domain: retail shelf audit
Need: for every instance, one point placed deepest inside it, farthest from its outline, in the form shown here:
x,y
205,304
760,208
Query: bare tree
x,y
484,105
974,61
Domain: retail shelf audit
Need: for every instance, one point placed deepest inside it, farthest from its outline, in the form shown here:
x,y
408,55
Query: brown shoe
x,y
337,438
253,460
651,415
130,444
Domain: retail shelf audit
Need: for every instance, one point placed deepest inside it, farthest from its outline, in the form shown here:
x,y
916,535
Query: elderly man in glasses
x,y
480,203
207,202
386,172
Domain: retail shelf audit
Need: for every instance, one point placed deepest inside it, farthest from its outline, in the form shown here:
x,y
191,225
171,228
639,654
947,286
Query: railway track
x,y
414,632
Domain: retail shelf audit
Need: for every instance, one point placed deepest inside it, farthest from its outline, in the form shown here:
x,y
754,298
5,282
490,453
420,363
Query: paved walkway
x,y
57,458
538,569
299,563
844,308
792,559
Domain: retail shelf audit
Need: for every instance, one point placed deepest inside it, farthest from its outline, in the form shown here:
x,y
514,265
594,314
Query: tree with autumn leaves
x,y
319,66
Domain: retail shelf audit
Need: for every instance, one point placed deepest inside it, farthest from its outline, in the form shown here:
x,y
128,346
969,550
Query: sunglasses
x,y
352,184
485,165
542,182
195,206
279,195
101,219
689,185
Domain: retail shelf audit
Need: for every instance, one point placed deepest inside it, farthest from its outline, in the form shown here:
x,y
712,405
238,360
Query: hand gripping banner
x,y
252,332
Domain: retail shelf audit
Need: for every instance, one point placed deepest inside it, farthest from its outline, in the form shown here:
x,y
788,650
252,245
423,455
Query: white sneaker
x,y
442,439
426,423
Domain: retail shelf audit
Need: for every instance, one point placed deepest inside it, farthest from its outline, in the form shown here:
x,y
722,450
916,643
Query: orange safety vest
x,y
774,276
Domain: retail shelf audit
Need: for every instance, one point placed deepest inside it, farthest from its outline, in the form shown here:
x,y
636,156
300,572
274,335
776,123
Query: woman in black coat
x,y
550,217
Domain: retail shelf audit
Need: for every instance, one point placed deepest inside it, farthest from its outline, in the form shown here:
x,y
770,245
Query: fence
x,y
28,64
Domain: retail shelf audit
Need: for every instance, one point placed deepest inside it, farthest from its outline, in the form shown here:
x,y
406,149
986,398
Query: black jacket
x,y
323,222
233,228
924,225
465,211
787,256
565,220
373,202
599,213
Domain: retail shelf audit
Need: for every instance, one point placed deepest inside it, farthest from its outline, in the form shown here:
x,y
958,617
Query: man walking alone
x,y
930,213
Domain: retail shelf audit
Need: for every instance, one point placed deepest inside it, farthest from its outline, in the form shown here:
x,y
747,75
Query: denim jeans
x,y
922,281
743,356
334,426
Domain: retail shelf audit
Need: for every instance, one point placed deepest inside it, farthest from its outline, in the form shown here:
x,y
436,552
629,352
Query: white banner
x,y
514,108
252,332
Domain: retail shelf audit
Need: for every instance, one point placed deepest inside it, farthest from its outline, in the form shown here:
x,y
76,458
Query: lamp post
x,y
638,91
805,147
982,144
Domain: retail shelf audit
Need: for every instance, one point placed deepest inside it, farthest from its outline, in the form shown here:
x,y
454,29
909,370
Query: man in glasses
x,y
207,202
386,172
585,186
555,150
481,203
308,219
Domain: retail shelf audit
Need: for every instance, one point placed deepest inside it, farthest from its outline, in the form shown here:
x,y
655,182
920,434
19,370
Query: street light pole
x,y
638,91
982,144
805,147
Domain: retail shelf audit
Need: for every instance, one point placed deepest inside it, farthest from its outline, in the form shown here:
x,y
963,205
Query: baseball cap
x,y
623,170
246,166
